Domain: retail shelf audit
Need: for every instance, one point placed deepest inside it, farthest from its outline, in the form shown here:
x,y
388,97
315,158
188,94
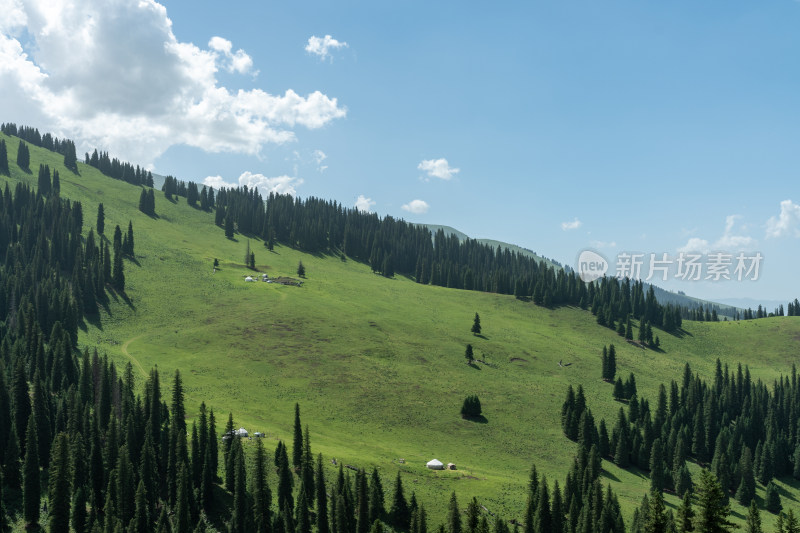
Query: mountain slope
x,y
377,365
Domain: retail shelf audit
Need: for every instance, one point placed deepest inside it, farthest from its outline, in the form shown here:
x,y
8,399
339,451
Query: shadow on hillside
x,y
785,494
120,295
473,365
608,475
681,333
481,336
480,419
133,260
93,320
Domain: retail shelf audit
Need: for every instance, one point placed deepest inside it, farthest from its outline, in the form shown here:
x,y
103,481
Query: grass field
x,y
377,365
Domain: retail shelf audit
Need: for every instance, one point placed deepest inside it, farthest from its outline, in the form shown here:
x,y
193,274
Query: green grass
x,y
377,365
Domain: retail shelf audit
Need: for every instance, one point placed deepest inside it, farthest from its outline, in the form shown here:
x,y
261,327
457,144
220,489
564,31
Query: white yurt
x,y
435,464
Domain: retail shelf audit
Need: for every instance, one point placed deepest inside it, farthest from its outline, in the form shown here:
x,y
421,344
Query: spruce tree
x,y
3,516
656,517
684,522
453,515
302,519
118,273
657,467
747,486
101,219
476,325
712,513
59,474
129,250
469,355
4,159
297,443
239,511
753,521
301,270
322,498
612,362
140,523
23,156
31,484
229,226
772,498
398,512
376,499
182,515
262,499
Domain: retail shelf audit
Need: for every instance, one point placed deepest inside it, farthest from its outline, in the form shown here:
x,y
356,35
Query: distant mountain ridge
x,y
663,296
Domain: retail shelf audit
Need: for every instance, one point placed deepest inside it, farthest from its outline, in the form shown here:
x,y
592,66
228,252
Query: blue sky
x,y
649,127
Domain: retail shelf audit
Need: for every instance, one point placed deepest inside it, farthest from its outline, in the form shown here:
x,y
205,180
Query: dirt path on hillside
x,y
132,358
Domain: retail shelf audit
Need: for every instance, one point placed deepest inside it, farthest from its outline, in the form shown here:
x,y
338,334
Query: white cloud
x,y
238,62
278,185
319,157
438,168
364,204
787,223
696,244
113,74
575,224
418,207
728,242
321,46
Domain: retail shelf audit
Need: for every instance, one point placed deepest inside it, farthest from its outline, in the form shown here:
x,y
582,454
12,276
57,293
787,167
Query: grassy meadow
x,y
378,364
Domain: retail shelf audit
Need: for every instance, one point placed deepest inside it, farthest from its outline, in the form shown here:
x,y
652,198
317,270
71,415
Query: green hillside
x,y
377,364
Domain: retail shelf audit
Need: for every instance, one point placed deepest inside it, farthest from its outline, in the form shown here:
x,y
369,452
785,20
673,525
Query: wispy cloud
x,y
575,224
319,157
728,241
438,168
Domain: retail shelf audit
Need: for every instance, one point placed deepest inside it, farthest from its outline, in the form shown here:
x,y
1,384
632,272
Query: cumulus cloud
x,y
278,185
321,46
729,241
575,224
238,62
418,207
364,204
786,223
113,74
438,168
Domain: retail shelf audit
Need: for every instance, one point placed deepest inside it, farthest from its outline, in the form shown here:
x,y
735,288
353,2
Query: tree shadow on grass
x,y
120,295
472,364
91,320
608,475
480,419
481,336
